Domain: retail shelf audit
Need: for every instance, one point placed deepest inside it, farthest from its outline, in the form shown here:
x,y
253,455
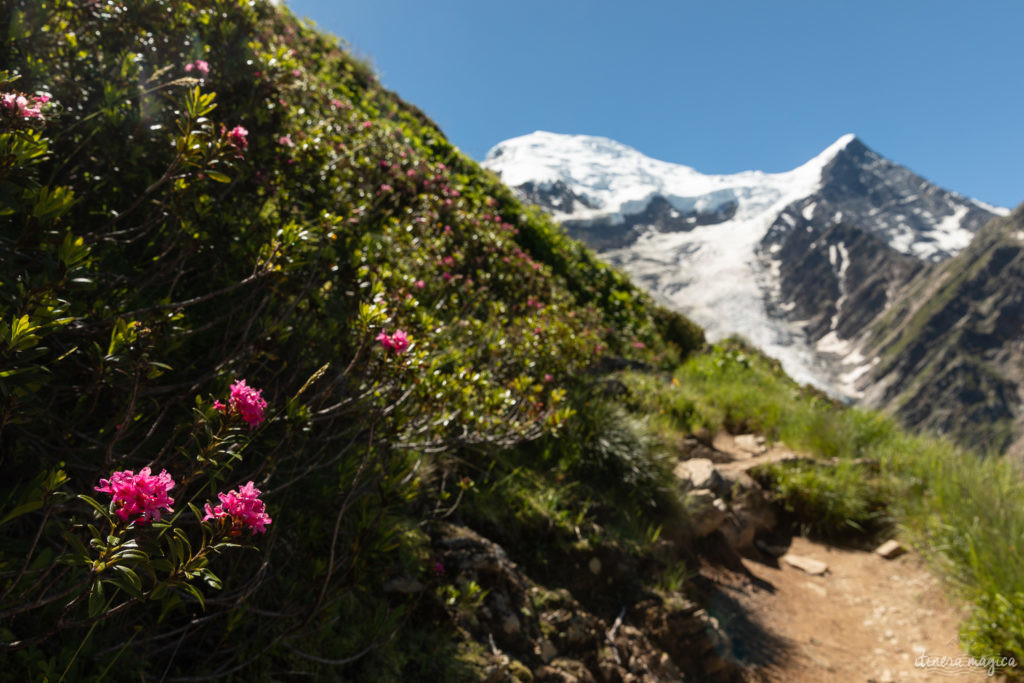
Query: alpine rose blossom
x,y
200,65
243,507
400,340
238,137
397,342
247,402
139,495
22,107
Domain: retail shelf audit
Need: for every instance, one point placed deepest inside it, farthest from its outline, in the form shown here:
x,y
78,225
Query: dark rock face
x,y
535,633
885,199
659,215
555,197
833,276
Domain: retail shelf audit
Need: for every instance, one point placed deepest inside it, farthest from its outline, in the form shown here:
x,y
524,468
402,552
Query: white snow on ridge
x,y
710,273
997,210
620,180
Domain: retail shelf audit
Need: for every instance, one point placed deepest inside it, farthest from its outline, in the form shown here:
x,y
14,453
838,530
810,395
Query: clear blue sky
x,y
719,85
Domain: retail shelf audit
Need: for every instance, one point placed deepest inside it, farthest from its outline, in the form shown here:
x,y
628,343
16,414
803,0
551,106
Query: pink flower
x,y
386,188
401,341
285,141
385,341
238,137
397,342
548,377
247,402
367,124
220,407
420,284
243,507
337,104
139,495
20,105
200,65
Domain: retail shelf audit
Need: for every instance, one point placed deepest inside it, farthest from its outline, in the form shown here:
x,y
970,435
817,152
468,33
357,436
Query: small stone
x,y
547,650
890,549
595,566
806,564
886,677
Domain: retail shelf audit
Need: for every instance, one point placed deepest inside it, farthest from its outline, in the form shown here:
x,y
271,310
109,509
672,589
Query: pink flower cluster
x,y
244,401
22,106
139,495
397,342
247,402
238,137
200,65
243,507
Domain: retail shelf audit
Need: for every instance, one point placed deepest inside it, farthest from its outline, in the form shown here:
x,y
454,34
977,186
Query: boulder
x,y
698,473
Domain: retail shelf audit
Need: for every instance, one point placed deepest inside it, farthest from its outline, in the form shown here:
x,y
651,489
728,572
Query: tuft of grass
x,y
829,500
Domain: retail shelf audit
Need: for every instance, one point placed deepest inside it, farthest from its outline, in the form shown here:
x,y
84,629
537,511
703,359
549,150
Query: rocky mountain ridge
x,y
814,265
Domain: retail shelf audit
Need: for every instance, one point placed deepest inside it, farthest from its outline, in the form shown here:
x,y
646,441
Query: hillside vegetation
x,y
273,353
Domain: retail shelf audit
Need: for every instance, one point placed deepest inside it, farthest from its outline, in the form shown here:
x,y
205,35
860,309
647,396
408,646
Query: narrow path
x,y
865,619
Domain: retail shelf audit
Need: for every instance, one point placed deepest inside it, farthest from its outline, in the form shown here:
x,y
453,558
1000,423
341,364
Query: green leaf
x,y
96,599
103,510
161,565
134,583
218,176
211,579
195,593
180,533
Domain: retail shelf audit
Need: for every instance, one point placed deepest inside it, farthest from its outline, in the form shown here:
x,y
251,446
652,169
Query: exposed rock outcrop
x,y
533,633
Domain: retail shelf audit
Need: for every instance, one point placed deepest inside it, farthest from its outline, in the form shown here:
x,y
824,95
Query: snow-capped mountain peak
x,y
728,249
612,179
